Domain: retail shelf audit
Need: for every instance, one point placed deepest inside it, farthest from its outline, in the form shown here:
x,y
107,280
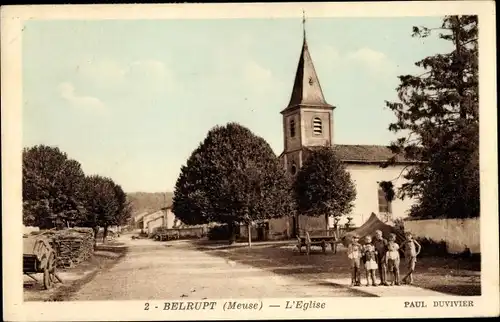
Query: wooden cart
x,y
39,257
320,238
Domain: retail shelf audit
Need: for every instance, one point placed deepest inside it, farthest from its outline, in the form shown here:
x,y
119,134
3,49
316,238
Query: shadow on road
x,y
284,260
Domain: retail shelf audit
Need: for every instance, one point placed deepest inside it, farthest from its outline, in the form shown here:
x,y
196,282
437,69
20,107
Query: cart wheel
x,y
49,272
52,267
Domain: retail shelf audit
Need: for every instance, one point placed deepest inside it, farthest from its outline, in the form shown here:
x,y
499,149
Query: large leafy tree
x,y
323,186
51,188
104,202
438,117
122,213
233,177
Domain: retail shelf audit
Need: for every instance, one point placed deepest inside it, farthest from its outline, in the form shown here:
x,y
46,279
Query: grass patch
x,y
448,273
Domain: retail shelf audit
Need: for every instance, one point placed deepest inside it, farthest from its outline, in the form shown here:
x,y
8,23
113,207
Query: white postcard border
x,y
12,18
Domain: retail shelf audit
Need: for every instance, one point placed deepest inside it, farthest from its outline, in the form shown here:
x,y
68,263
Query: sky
x,y
131,99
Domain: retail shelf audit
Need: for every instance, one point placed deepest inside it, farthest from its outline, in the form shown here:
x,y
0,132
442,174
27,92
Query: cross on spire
x,y
304,23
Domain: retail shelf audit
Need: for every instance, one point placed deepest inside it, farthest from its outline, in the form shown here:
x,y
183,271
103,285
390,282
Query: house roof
x,y
306,90
141,215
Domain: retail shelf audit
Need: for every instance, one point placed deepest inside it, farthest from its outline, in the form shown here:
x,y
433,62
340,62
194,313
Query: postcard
x,y
249,161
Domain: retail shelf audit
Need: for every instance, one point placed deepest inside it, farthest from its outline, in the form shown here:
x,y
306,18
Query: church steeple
x,y
306,88
308,118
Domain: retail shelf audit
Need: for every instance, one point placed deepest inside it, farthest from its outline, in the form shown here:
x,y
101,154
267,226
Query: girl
x,y
370,256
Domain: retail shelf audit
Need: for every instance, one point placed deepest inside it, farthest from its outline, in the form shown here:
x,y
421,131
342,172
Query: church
x,y
307,124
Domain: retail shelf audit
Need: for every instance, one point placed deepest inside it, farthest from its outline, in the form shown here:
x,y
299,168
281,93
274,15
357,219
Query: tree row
x,y
57,193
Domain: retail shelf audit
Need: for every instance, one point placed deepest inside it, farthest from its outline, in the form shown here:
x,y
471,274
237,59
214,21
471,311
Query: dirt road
x,y
157,270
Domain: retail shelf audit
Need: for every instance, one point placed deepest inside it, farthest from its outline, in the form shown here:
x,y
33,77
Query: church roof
x,y
367,154
306,88
364,154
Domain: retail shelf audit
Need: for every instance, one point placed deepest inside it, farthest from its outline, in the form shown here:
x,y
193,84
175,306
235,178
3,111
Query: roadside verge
x,y
105,257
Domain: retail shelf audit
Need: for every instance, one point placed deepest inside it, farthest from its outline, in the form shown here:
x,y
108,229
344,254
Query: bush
x,y
399,224
432,248
220,232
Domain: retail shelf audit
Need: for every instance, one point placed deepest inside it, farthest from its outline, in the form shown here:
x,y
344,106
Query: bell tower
x,y
308,118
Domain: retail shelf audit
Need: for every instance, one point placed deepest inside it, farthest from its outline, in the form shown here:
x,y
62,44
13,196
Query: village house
x,y
163,217
308,124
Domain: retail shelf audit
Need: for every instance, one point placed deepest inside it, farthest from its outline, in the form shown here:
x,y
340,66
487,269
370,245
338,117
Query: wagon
x,y
320,238
40,257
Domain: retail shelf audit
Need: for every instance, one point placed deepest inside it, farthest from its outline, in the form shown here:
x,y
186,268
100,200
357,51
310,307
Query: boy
x,y
354,254
411,250
392,259
380,244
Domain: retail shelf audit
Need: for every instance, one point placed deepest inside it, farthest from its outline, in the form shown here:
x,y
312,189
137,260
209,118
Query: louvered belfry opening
x,y
317,126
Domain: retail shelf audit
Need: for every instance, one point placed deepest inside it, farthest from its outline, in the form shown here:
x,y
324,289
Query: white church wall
x,y
366,178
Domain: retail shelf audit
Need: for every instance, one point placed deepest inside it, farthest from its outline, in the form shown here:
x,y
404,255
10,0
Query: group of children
x,y
382,255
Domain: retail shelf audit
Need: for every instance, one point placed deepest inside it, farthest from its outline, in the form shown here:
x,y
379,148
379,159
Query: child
x,y
411,250
380,244
354,255
392,259
370,255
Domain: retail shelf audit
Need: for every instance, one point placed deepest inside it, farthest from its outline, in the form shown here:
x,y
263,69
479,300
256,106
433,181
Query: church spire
x,y
306,88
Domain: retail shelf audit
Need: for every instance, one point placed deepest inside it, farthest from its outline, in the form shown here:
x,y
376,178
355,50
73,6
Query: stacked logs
x,y
72,246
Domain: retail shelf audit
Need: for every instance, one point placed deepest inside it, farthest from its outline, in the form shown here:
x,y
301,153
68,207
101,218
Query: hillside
x,y
149,201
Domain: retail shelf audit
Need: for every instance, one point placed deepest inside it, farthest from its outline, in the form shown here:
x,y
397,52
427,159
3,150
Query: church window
x,y
292,128
384,206
317,126
293,169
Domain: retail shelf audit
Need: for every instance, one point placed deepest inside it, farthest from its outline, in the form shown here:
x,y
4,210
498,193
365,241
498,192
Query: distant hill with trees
x,y
148,201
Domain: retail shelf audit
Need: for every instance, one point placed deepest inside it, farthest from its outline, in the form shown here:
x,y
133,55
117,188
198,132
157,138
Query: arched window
x,y
293,169
317,126
292,128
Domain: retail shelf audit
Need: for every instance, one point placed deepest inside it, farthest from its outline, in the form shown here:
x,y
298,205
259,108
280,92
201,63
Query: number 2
x,y
146,306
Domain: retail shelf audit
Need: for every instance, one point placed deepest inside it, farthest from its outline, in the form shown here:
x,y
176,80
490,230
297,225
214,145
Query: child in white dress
x,y
370,257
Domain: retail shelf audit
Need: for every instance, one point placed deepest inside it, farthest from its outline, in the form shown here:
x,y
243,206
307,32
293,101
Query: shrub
x,y
399,224
431,247
219,232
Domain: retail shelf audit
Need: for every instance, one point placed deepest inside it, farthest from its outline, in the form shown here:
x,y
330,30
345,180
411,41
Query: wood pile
x,y
72,246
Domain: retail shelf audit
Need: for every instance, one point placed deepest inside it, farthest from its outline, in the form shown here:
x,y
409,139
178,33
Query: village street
x,y
177,270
